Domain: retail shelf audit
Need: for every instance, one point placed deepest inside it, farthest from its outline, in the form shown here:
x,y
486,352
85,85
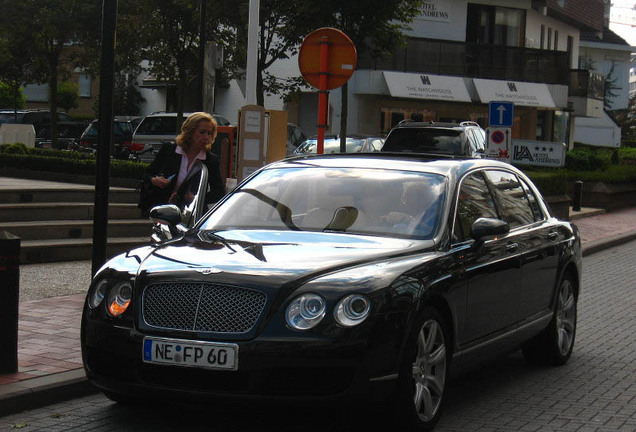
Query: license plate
x,y
178,352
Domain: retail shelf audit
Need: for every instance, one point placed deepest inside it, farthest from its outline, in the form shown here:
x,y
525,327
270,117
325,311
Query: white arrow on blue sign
x,y
501,114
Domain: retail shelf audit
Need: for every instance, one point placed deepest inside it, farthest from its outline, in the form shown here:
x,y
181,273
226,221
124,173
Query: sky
x,y
623,20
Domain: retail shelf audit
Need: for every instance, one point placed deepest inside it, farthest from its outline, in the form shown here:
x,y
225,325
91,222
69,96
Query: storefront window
x,y
561,126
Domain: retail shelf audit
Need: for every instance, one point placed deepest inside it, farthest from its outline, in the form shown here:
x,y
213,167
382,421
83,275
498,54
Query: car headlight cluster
x,y
307,310
118,296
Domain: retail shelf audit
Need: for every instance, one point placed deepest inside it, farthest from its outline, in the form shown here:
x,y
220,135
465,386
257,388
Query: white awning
x,y
426,86
520,93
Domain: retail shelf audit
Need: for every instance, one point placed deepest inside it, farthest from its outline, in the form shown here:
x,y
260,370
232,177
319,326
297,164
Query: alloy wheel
x,y
429,370
566,317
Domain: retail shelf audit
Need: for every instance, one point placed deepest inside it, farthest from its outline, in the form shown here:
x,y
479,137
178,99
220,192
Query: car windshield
x,y
332,145
353,200
424,140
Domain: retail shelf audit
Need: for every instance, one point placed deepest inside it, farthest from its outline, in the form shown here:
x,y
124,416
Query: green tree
x,y
626,119
54,27
374,26
67,95
19,63
8,98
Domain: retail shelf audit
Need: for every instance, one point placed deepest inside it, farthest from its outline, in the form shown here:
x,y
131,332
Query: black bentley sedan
x,y
338,277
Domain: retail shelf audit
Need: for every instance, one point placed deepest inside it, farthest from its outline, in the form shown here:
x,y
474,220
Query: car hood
x,y
269,258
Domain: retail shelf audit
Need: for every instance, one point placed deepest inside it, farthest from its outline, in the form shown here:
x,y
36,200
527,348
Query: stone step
x,y
73,229
39,251
63,211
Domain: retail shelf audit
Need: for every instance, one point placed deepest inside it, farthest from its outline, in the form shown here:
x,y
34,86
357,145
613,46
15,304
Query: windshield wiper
x,y
283,211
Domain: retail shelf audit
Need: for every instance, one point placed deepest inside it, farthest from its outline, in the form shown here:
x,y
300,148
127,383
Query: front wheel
x,y
554,345
424,372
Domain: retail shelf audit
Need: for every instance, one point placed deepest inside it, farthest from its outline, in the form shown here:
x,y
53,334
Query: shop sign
x,y
436,10
426,86
538,153
516,92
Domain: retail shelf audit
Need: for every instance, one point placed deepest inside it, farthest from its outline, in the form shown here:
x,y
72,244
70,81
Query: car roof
x,y
408,124
443,165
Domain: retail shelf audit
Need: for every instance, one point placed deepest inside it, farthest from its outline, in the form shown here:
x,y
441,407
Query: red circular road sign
x,y
341,58
498,137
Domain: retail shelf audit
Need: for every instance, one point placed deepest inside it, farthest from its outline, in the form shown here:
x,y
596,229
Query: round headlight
x,y
305,311
98,294
119,298
352,310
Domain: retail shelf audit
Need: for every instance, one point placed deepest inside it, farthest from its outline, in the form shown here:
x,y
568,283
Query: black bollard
x,y
9,291
578,195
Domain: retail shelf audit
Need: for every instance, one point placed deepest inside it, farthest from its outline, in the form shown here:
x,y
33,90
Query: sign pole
x,y
327,59
322,94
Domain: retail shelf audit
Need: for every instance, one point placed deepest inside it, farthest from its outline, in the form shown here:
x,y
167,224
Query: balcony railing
x,y
586,83
475,61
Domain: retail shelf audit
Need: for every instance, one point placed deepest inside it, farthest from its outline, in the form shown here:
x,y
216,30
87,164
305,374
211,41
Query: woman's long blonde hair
x,y
190,125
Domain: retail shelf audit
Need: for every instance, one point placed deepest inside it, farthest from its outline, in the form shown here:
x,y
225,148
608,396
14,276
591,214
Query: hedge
x,y
62,161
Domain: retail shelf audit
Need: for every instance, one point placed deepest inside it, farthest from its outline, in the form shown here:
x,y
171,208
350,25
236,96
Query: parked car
x,y
36,117
295,137
331,144
159,128
339,277
122,137
68,134
459,139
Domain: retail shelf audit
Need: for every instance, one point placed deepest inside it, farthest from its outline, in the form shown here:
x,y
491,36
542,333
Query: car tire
x,y
423,374
554,345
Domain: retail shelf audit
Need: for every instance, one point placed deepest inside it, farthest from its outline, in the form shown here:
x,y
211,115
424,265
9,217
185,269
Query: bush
x,y
61,161
17,148
550,182
581,159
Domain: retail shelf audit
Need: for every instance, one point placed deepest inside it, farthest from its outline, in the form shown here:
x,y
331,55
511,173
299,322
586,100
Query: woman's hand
x,y
160,182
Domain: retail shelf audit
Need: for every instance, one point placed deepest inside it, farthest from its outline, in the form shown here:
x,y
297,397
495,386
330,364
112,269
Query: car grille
x,y
202,307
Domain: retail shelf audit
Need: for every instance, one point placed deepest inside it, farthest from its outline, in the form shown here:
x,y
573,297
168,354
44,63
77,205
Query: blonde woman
x,y
168,177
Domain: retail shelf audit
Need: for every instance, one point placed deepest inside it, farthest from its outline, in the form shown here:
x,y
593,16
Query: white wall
x,y
602,132
601,57
155,98
534,20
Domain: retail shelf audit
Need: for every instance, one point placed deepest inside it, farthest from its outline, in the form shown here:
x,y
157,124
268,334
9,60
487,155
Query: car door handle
x,y
511,247
553,235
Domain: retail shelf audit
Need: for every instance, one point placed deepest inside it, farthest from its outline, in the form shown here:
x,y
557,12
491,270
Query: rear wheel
x,y
424,372
554,345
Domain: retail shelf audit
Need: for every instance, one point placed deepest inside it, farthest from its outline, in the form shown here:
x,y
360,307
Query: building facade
x,y
461,55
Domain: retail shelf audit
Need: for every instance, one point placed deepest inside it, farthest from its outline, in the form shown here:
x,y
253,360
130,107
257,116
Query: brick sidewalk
x,y
48,337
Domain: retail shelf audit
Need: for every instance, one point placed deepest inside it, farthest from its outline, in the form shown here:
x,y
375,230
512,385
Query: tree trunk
x,y
53,99
344,110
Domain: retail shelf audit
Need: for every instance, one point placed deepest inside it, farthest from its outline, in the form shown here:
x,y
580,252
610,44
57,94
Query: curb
x,y
601,245
46,390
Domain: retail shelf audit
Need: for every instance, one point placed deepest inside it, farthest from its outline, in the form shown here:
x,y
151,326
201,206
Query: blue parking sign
x,y
501,114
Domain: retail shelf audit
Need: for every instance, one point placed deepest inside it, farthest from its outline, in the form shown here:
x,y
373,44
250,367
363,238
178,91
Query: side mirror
x,y
168,214
488,227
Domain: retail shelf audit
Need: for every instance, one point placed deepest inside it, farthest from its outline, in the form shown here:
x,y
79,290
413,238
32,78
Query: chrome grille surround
x,y
201,307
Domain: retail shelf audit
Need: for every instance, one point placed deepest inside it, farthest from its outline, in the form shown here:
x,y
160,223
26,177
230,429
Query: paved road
x,y
595,391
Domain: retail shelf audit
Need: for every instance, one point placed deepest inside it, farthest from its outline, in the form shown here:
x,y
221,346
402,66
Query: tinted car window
x,y
534,203
424,140
332,145
120,128
511,197
474,202
157,126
